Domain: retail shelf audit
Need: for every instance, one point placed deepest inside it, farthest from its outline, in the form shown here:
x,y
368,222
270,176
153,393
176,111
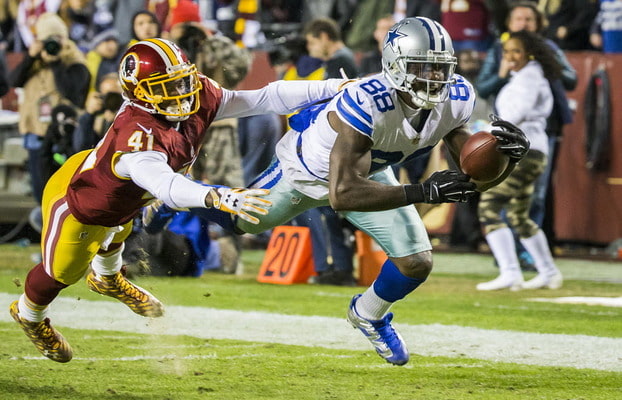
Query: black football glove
x,y
512,140
447,186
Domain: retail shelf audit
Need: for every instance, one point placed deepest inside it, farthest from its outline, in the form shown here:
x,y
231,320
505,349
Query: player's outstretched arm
x,y
280,97
149,170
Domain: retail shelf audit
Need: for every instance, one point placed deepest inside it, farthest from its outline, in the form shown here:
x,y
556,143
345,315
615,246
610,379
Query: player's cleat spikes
x,y
385,339
138,299
45,338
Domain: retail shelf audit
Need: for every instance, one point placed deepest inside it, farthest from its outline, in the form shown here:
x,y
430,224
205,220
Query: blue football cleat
x,y
386,340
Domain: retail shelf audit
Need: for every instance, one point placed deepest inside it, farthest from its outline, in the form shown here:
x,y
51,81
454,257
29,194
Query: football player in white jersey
x,y
337,153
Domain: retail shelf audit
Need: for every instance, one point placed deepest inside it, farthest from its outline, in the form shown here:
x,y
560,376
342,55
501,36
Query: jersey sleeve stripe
x,y
352,119
355,107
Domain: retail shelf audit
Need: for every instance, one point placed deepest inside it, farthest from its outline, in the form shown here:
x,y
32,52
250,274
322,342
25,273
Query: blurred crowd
x,y
70,92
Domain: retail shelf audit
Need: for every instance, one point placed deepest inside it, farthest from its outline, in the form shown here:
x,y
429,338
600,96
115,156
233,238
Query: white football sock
x,y
501,243
538,247
108,264
30,311
370,306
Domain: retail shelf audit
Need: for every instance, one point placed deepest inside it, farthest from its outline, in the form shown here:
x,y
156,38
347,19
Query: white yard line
x,y
591,301
576,351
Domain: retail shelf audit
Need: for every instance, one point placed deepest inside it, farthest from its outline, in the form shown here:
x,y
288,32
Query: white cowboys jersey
x,y
370,106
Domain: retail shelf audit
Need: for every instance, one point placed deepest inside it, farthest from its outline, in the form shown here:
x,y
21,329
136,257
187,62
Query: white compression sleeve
x,y
280,97
149,170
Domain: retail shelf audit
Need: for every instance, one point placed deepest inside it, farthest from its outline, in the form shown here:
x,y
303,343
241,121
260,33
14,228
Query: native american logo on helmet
x,y
129,68
157,77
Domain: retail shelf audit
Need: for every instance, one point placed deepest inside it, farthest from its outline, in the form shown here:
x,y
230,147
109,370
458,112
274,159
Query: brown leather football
x,y
480,159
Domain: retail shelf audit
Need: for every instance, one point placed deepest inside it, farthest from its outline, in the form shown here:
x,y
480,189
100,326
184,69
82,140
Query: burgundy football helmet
x,y
157,77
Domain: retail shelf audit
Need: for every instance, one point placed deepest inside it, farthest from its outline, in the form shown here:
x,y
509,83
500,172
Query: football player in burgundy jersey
x,y
89,204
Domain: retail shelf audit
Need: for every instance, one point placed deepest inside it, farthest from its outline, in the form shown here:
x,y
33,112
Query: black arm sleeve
x,y
72,81
20,75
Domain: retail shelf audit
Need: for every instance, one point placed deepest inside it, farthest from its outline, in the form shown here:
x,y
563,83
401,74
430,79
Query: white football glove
x,y
238,201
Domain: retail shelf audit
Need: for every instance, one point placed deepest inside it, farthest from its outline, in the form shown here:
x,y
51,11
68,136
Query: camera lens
x,y
51,46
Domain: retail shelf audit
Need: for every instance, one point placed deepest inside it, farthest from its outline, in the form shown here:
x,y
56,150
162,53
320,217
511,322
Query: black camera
x,y
286,49
52,46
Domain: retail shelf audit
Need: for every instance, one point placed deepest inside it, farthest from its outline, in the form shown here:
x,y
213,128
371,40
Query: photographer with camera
x,y
100,108
52,72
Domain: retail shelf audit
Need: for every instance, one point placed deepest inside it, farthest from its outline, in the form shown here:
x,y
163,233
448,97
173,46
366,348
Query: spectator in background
x,y
467,22
526,101
8,30
606,31
103,58
494,74
162,11
100,108
339,11
324,42
52,72
57,144
124,12
466,230
332,247
371,63
145,25
569,22
28,12
185,11
78,16
362,35
420,8
258,136
4,81
219,161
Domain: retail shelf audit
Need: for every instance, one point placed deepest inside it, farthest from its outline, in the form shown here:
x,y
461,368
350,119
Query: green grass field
x,y
229,337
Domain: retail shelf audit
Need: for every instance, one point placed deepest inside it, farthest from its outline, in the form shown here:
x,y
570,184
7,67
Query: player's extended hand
x,y
239,201
512,139
448,186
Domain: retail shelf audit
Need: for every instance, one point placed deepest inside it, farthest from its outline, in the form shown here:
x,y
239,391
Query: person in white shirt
x,y
526,100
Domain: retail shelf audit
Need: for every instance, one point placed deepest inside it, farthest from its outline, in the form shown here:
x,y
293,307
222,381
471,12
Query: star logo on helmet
x,y
392,36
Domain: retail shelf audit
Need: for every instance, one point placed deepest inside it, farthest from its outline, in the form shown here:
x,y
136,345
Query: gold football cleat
x,y
138,299
45,338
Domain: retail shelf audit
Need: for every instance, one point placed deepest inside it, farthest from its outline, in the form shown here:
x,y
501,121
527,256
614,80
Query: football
x,y
480,159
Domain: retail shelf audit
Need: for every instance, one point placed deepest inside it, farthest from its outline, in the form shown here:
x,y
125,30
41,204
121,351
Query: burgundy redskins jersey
x,y
97,196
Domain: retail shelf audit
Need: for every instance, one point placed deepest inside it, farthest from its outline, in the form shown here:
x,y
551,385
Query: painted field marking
x,y
575,351
590,301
